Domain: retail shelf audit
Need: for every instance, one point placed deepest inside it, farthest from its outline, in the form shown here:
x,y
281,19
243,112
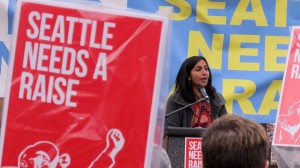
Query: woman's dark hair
x,y
184,86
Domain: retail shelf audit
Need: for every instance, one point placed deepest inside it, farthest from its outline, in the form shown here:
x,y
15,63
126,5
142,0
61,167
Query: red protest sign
x,y
287,128
84,86
193,153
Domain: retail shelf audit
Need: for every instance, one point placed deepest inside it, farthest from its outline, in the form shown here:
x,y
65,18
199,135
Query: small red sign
x,y
193,153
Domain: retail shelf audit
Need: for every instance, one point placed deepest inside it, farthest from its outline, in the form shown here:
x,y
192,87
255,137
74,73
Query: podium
x,y
176,143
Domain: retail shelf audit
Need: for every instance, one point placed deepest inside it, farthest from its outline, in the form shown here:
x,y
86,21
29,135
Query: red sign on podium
x,y
84,86
193,153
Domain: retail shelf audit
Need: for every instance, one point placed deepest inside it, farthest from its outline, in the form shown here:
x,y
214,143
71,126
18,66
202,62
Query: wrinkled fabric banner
x,y
245,43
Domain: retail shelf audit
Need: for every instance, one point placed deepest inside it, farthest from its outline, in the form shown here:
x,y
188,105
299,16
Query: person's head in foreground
x,y
235,142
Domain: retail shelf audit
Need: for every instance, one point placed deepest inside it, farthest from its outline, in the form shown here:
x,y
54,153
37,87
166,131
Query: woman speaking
x,y
194,84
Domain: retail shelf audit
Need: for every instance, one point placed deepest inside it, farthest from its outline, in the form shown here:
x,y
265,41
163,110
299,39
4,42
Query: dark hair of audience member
x,y
235,142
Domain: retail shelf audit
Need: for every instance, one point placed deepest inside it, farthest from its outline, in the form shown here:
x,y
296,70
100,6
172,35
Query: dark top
x,y
183,118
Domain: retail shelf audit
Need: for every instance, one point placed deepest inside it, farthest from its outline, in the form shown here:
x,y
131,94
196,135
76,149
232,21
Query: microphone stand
x,y
189,105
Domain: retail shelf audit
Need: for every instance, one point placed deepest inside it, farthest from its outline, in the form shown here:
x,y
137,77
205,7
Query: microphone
x,y
184,107
204,94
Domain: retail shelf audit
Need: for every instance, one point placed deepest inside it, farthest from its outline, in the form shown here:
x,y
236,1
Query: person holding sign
x,y
195,102
235,142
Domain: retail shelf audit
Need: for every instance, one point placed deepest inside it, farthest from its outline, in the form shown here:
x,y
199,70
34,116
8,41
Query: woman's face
x,y
199,74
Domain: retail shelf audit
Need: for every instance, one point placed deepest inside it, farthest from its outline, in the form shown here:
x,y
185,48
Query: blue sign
x,y
244,41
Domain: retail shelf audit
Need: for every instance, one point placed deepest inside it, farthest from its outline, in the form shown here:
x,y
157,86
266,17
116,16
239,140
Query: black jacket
x,y
183,118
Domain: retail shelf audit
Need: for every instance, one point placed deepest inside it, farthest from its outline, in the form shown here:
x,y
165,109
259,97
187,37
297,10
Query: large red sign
x,y
84,86
287,128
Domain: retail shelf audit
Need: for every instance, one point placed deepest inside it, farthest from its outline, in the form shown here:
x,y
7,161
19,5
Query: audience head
x,y
235,142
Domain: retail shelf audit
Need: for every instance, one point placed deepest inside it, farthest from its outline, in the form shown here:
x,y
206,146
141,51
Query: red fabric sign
x,y
193,153
287,128
82,87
